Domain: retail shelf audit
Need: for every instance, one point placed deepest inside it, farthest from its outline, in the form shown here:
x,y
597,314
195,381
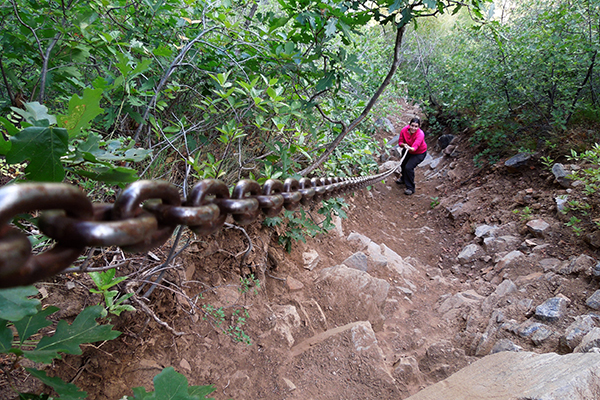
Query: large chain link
x,y
144,216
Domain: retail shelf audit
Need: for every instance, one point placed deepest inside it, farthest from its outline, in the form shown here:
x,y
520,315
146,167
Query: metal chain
x,y
144,216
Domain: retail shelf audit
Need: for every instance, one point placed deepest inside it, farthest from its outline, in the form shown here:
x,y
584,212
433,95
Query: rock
x,y
289,384
516,162
561,203
576,331
365,293
505,345
551,310
286,321
387,125
360,241
528,328
470,253
311,259
538,228
293,284
593,239
357,261
386,166
510,260
185,364
521,375
506,287
396,262
499,244
467,298
444,141
589,342
596,270
450,151
583,263
594,300
407,370
483,231
550,264
560,173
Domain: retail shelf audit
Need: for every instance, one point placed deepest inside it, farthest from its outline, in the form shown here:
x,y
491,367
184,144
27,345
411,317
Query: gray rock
x,y
594,300
505,345
357,261
583,263
518,161
444,141
499,244
550,264
561,203
596,270
311,258
560,173
387,125
593,239
529,327
506,287
360,241
582,325
470,253
538,227
483,231
589,342
521,375
552,309
510,260
467,298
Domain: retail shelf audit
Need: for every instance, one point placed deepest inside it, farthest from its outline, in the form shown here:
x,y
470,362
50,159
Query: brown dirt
x,y
418,346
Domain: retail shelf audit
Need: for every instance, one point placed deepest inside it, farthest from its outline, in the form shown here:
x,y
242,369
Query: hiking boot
x,y
408,192
399,182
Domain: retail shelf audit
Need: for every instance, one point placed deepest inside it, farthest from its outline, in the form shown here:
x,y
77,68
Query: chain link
x,y
143,217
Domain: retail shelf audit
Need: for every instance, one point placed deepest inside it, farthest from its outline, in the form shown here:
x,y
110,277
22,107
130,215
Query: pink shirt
x,y
416,141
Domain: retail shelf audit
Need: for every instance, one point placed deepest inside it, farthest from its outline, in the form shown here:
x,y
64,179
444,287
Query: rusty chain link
x,y
144,216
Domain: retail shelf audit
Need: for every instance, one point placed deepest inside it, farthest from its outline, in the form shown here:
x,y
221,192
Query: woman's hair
x,y
415,119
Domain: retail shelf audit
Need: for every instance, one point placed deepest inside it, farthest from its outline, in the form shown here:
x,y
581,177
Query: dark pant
x,y
408,169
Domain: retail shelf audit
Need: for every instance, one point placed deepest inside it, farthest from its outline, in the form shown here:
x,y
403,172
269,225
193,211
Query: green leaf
x,y
110,175
35,112
43,147
29,325
171,385
15,304
325,83
6,337
81,111
67,338
66,391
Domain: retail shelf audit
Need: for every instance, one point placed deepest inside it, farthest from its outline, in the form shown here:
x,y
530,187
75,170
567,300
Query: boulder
x,y
521,375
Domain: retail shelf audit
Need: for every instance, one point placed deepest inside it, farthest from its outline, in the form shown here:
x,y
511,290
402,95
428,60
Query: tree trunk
x,y
366,110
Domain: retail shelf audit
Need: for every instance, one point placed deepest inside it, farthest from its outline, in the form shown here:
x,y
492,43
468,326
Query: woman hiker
x,y
412,138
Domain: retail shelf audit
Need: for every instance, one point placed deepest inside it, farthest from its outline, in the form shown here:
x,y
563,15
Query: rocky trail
x,y
405,292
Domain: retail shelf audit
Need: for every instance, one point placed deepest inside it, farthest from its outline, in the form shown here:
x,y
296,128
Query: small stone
x,y
551,310
594,300
538,227
185,364
505,345
311,259
293,284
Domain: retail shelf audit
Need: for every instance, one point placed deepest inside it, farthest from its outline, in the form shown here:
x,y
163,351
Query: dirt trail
x,y
312,337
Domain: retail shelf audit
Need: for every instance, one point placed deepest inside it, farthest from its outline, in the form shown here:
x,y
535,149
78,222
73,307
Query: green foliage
x,y
104,281
547,162
172,385
525,213
28,318
589,176
235,328
573,224
435,201
299,224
